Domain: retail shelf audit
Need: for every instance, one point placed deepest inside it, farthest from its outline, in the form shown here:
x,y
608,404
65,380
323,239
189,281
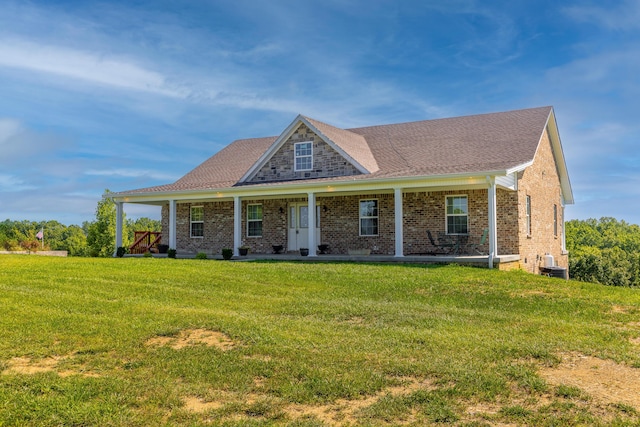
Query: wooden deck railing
x,y
145,241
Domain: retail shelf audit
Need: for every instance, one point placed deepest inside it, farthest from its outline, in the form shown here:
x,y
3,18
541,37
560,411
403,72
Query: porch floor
x,y
475,260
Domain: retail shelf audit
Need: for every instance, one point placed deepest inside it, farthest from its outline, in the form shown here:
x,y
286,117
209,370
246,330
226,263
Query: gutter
x,y
293,188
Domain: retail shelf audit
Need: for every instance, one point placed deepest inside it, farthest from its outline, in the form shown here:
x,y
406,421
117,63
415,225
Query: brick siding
x,y
541,182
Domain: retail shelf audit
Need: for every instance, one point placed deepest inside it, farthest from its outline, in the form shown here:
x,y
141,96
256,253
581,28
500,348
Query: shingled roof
x,y
461,145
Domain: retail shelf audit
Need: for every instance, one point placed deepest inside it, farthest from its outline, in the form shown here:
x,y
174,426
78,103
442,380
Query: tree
x,y
604,251
101,234
75,241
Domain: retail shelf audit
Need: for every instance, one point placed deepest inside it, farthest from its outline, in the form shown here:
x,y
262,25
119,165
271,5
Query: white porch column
x,y
237,224
397,197
119,216
312,224
172,224
493,225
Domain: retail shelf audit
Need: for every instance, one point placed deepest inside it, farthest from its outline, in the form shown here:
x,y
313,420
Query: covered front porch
x,y
393,225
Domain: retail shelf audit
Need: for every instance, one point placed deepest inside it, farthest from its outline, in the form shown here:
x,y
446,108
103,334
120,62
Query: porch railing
x,y
145,241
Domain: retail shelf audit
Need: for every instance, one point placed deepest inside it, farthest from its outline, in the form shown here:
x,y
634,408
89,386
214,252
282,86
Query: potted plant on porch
x,y
304,251
227,253
243,250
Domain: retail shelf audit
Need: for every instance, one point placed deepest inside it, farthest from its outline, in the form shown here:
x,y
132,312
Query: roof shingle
x,y
459,145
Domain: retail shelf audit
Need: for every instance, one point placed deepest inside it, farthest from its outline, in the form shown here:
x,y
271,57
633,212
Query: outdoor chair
x,y
439,248
448,242
474,248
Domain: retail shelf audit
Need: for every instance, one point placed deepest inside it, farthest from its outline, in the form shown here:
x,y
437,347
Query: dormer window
x,y
303,156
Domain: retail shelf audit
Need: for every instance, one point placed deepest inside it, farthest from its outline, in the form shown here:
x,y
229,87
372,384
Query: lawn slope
x,y
191,342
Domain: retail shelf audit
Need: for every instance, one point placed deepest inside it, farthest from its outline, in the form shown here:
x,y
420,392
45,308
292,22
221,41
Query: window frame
x,y
193,221
527,215
369,217
447,214
254,220
304,157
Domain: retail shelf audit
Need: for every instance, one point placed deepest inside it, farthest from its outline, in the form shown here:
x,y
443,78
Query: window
x,y
197,221
303,156
457,215
555,220
528,215
254,220
369,217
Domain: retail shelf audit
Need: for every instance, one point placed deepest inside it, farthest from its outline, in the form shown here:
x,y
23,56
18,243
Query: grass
x,y
314,344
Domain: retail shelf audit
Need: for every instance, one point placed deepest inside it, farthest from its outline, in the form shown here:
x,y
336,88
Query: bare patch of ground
x,y
605,381
338,413
29,366
193,337
195,404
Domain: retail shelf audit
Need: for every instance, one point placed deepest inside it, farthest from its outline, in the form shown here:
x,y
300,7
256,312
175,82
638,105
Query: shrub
x,y
171,253
201,255
121,251
227,253
147,254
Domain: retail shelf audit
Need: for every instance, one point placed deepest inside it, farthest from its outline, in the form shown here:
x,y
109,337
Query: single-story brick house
x,y
379,188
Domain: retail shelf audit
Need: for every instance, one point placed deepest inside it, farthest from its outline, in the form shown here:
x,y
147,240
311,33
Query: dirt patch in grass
x,y
345,411
193,337
338,413
605,381
195,404
28,366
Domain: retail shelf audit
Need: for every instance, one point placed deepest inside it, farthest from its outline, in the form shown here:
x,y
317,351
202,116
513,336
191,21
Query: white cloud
x,y
132,173
12,183
93,67
621,16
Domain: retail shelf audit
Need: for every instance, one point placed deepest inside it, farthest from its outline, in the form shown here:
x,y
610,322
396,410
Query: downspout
x,y
493,226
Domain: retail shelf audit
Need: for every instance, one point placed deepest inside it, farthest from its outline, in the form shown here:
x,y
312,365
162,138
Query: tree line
x,y
93,238
604,251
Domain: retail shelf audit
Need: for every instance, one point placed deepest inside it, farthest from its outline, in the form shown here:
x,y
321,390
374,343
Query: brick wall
x,y
218,227
274,225
326,161
424,211
340,225
541,182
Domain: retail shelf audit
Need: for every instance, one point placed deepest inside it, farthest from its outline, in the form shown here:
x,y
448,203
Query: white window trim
x,y
446,214
191,222
360,218
254,220
296,157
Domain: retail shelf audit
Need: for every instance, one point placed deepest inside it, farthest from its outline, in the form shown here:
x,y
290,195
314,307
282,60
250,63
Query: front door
x,y
299,226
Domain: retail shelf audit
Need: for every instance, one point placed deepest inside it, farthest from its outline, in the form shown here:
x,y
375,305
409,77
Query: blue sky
x,y
123,95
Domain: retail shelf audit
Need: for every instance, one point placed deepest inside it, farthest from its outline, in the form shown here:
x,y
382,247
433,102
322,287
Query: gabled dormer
x,y
310,149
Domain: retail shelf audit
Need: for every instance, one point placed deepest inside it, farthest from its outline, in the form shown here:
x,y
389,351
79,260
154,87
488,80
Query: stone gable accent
x,y
327,162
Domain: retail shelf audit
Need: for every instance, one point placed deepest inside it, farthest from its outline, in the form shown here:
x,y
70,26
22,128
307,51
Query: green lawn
x,y
95,342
